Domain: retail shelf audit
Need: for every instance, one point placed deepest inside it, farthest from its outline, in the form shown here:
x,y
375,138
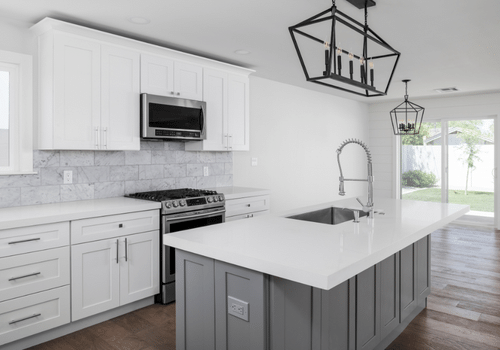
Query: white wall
x,y
384,142
15,36
294,134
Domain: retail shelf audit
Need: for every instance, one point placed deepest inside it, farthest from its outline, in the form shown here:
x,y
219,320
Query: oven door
x,y
180,222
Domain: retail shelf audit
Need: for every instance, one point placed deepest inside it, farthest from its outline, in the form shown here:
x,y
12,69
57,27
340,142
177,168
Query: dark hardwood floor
x,y
463,310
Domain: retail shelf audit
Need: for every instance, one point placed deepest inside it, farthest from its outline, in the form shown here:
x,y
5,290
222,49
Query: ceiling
x,y
445,43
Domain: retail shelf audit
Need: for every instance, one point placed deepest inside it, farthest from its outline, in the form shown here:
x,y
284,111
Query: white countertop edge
x,y
32,215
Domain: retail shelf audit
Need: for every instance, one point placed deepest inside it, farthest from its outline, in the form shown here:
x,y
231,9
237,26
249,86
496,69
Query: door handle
x,y
18,278
126,250
25,240
105,138
117,246
25,318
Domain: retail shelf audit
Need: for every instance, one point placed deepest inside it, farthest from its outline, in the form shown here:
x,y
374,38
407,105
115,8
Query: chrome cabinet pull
x,y
97,137
105,137
17,278
120,225
117,246
126,250
178,94
25,240
231,141
24,319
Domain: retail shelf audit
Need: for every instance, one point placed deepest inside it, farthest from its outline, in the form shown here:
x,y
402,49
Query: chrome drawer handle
x,y
17,278
26,240
24,319
126,250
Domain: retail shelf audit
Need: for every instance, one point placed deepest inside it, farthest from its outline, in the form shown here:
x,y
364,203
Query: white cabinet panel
x,y
188,81
95,278
120,99
76,99
139,271
32,238
157,75
227,101
87,230
34,272
166,77
238,110
89,94
247,205
22,317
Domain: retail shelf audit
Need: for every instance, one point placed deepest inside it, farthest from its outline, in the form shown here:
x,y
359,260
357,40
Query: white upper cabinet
x,y
166,77
89,94
89,86
227,117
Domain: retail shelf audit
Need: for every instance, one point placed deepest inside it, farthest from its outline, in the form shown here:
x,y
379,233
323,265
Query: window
x,y
16,113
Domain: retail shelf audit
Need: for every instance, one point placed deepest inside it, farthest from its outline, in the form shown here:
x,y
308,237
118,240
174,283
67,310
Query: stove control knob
x,y
175,204
216,199
168,205
209,199
182,203
221,198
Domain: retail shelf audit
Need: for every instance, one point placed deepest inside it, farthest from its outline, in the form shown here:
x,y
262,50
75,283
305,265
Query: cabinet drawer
x,y
33,238
30,273
22,317
246,216
104,227
247,205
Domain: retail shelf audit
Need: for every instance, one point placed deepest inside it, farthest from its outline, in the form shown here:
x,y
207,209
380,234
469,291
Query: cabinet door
x,y
408,281
194,305
157,75
139,266
367,308
119,99
76,93
94,278
423,268
389,294
215,95
238,113
188,81
240,308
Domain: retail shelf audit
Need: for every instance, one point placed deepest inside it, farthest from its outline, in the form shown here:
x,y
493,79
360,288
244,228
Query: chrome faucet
x,y
368,207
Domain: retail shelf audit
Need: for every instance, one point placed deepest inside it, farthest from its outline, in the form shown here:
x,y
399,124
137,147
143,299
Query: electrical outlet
x,y
254,161
205,171
68,177
237,308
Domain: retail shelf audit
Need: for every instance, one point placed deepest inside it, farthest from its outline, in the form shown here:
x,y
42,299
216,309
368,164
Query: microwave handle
x,y
203,118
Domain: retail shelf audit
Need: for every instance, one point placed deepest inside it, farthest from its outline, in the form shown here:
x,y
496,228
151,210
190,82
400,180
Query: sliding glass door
x,y
452,161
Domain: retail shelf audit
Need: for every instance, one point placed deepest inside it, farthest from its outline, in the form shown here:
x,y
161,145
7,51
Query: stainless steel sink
x,y
330,216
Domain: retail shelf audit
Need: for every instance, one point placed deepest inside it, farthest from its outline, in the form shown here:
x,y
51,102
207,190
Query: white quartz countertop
x,y
316,254
46,213
233,192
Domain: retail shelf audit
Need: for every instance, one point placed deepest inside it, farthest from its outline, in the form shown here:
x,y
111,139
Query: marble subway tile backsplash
x,y
104,174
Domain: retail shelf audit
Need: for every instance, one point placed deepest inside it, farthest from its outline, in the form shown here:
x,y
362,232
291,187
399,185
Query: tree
x,y
418,140
470,134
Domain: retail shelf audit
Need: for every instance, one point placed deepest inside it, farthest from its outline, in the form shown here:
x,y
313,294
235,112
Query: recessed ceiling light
x,y
139,20
446,90
242,52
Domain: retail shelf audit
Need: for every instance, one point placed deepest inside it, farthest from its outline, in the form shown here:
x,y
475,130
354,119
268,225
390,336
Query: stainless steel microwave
x,y
172,118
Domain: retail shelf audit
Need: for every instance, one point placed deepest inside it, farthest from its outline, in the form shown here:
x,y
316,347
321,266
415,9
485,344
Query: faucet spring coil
x,y
359,142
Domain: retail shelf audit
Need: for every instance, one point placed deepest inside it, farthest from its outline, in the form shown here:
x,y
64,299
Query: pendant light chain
x,y
406,91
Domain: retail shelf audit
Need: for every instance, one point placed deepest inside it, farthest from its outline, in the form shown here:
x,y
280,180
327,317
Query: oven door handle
x,y
205,214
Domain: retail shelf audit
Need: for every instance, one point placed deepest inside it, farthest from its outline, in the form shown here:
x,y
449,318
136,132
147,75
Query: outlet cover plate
x,y
237,308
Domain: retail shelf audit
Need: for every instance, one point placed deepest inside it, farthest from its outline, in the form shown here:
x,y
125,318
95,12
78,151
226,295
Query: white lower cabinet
x,y
113,272
247,207
33,314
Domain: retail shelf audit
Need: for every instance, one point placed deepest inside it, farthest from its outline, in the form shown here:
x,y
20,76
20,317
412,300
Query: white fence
x,y
428,158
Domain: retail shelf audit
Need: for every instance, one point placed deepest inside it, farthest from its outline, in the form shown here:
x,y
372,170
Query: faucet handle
x,y
341,188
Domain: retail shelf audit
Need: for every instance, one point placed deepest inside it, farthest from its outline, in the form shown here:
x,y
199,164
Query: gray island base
x,y
223,306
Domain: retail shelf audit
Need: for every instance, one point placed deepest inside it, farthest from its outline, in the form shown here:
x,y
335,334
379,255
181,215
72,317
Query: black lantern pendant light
x,y
331,39
407,117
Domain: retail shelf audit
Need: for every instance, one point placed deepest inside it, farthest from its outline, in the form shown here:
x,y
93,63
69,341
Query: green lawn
x,y
478,201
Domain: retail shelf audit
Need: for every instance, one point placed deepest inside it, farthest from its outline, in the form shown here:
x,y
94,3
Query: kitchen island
x,y
278,283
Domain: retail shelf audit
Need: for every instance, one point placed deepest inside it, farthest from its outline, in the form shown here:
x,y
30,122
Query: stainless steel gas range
x,y
181,209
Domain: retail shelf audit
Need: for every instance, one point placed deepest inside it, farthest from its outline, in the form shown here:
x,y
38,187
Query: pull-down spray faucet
x,y
368,207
